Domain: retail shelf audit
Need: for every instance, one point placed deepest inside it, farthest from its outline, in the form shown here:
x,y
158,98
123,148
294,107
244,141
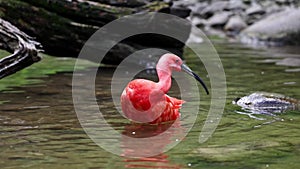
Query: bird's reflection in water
x,y
143,145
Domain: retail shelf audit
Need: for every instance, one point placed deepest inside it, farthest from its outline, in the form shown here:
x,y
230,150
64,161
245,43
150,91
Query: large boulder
x,y
64,26
276,29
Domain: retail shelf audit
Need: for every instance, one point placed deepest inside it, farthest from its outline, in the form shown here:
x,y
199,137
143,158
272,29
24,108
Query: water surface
x,y
40,129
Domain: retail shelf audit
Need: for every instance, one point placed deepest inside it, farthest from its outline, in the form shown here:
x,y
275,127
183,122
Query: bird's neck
x,y
164,76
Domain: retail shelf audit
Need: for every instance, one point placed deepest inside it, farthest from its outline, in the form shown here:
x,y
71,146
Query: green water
x,y
40,129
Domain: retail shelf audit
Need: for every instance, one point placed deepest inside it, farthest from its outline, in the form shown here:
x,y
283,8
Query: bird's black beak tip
x,y
191,73
201,81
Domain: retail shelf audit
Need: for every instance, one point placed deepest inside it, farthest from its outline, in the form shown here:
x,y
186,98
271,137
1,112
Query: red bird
x,y
144,101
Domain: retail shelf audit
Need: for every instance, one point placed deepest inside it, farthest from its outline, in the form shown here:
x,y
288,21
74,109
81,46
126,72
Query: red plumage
x,y
145,101
141,102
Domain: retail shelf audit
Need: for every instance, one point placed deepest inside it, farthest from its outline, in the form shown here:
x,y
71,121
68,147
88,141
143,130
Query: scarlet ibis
x,y
145,101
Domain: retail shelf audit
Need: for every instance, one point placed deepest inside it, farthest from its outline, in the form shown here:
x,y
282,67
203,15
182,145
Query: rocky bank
x,y
258,22
63,26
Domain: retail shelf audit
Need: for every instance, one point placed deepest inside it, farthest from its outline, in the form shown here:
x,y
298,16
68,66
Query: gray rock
x,y
195,36
198,8
199,22
282,3
255,9
184,3
251,19
214,7
219,19
254,13
236,5
267,103
215,32
286,2
276,29
274,8
235,24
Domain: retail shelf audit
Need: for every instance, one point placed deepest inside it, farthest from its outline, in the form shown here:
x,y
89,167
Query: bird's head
x,y
169,62
175,63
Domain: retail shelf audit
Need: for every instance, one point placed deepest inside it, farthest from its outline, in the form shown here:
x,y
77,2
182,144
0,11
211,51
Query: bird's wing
x,y
177,103
143,96
142,102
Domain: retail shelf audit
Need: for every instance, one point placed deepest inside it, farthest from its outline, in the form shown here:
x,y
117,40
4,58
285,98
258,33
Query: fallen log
x,y
24,49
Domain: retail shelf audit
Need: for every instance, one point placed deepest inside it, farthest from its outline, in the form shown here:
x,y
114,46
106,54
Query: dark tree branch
x,y
24,48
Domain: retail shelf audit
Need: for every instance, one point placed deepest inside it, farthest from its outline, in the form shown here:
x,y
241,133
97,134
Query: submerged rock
x,y
267,103
277,29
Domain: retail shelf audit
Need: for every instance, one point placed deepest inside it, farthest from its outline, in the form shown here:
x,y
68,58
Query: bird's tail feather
x,y
171,112
177,103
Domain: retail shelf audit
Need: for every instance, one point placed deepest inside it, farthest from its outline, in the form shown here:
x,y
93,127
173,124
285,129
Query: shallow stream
x,y
40,129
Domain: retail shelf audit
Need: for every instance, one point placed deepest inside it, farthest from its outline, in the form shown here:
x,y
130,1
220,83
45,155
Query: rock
x,y
147,40
236,5
218,19
64,26
255,9
277,29
210,14
274,8
195,37
267,103
215,32
127,3
235,24
282,2
185,3
251,19
294,3
199,22
198,8
180,12
247,1
214,7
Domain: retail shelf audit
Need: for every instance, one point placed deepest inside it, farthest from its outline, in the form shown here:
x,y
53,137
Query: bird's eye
x,y
176,61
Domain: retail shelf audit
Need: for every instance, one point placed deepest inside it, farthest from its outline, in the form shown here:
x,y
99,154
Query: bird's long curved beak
x,y
186,69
